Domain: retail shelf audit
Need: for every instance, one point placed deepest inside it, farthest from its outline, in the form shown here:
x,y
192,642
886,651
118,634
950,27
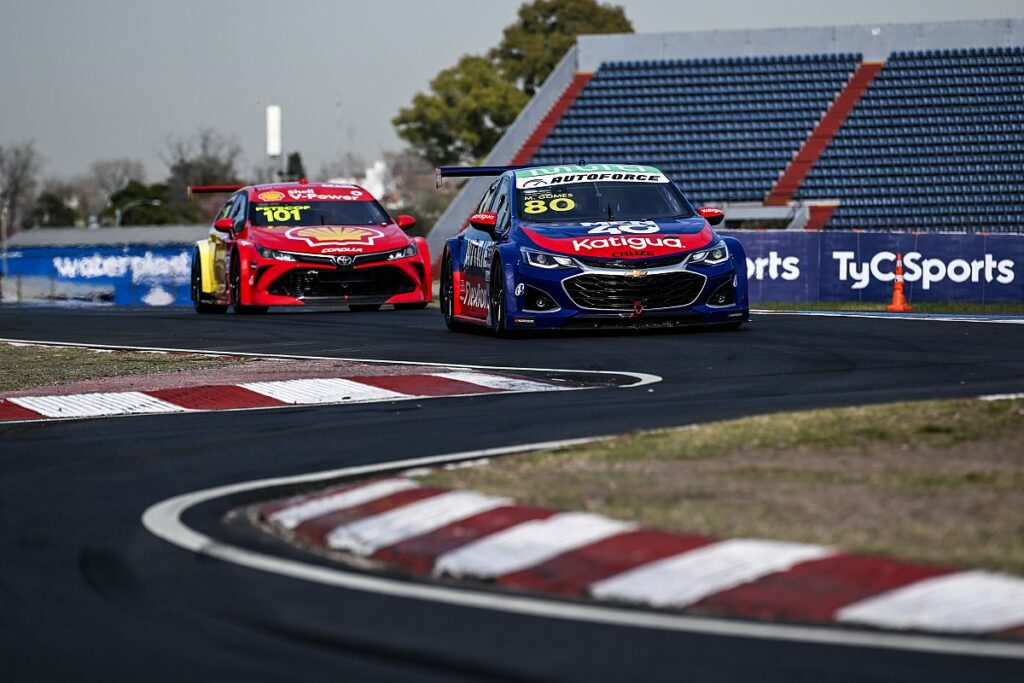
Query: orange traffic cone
x,y
899,302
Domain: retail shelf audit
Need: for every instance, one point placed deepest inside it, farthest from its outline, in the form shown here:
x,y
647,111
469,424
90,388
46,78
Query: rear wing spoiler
x,y
212,189
443,172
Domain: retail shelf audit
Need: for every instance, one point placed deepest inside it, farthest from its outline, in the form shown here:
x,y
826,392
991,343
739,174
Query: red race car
x,y
288,244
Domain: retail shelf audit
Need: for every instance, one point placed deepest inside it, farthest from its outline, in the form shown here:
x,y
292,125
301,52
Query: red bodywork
x,y
332,257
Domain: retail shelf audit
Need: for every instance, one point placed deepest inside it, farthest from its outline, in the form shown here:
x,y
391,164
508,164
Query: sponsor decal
x,y
620,227
773,267
584,168
928,271
342,250
520,288
623,246
477,254
340,194
606,177
473,295
270,196
600,243
325,234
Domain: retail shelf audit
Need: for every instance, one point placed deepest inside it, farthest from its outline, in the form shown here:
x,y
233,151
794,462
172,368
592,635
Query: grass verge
x,y
879,307
25,367
936,481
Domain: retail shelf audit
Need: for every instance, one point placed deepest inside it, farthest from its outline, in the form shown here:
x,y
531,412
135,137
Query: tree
x,y
468,109
143,212
206,158
470,105
52,211
112,175
546,29
19,166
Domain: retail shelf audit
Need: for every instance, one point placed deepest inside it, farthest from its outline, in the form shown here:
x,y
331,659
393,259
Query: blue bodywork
x,y
670,291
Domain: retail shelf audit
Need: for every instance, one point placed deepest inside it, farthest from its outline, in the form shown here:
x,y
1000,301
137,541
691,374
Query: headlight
x,y
715,254
404,252
542,259
273,254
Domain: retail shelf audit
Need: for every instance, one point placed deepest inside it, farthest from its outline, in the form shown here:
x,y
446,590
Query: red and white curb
x,y
401,524
273,394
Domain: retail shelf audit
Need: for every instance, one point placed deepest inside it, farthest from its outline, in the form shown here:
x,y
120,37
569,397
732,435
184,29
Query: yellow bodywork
x,y
206,250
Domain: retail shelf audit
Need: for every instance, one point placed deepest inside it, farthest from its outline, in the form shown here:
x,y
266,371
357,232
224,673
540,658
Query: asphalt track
x,y
87,593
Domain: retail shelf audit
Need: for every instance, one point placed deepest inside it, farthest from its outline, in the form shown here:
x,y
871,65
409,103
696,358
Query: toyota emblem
x,y
344,260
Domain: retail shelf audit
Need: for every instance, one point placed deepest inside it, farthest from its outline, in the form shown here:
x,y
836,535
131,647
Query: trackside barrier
x,y
783,265
123,276
861,266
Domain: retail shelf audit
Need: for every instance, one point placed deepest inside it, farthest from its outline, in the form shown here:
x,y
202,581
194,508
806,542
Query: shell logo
x,y
324,234
270,196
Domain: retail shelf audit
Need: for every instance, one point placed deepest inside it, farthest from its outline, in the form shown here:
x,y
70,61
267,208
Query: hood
x,y
331,239
621,239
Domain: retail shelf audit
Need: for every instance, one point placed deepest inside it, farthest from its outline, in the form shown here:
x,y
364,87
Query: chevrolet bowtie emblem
x,y
636,273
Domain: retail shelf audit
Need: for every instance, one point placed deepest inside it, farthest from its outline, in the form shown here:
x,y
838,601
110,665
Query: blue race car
x,y
588,247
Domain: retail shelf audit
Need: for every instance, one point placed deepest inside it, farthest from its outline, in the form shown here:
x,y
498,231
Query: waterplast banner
x,y
127,276
851,266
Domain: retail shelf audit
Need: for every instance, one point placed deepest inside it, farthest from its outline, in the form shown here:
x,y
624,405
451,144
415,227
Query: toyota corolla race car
x,y
290,244
590,246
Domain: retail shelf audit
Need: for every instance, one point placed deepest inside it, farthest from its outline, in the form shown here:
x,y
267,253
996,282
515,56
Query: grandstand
x,y
915,127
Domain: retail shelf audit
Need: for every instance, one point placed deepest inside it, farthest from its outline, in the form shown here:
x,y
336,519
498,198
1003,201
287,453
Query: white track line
x,y
878,316
528,544
294,515
642,378
163,520
96,405
367,536
967,602
691,576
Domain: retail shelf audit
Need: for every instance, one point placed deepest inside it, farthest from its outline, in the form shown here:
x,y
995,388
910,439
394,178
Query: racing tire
x,y
236,293
499,308
364,308
447,296
196,290
411,307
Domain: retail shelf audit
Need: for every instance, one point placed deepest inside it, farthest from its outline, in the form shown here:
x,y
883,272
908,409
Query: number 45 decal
x,y
628,227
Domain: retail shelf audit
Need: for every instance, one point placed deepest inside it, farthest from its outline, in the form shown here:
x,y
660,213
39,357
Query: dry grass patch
x,y
936,481
26,367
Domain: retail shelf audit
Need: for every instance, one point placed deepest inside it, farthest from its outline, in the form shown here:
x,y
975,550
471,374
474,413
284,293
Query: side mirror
x,y
484,221
224,225
406,222
712,215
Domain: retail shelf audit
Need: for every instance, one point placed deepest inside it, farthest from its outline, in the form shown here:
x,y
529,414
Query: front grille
x,y
630,264
383,282
614,292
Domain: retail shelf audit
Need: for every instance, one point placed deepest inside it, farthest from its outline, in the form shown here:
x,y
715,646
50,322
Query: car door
x,y
221,248
477,254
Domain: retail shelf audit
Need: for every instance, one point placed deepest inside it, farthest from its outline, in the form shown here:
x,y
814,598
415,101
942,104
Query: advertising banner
x,y
860,266
126,276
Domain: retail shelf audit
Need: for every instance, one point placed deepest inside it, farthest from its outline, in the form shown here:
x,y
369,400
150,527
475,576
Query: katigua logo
x,y
928,271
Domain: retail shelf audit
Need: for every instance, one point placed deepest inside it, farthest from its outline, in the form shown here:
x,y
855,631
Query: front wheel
x,y
447,295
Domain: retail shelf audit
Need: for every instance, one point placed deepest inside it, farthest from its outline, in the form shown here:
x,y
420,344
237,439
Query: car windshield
x,y
602,201
317,213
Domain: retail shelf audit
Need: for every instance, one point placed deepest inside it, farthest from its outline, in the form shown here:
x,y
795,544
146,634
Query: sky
x,y
102,79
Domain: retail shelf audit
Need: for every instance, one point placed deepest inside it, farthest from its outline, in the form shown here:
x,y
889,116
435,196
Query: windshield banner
x,y
860,266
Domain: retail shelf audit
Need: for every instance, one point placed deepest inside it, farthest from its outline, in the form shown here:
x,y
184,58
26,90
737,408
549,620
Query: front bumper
x,y
269,282
600,298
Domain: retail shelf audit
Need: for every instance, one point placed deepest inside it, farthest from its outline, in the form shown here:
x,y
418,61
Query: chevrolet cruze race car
x,y
289,244
590,246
